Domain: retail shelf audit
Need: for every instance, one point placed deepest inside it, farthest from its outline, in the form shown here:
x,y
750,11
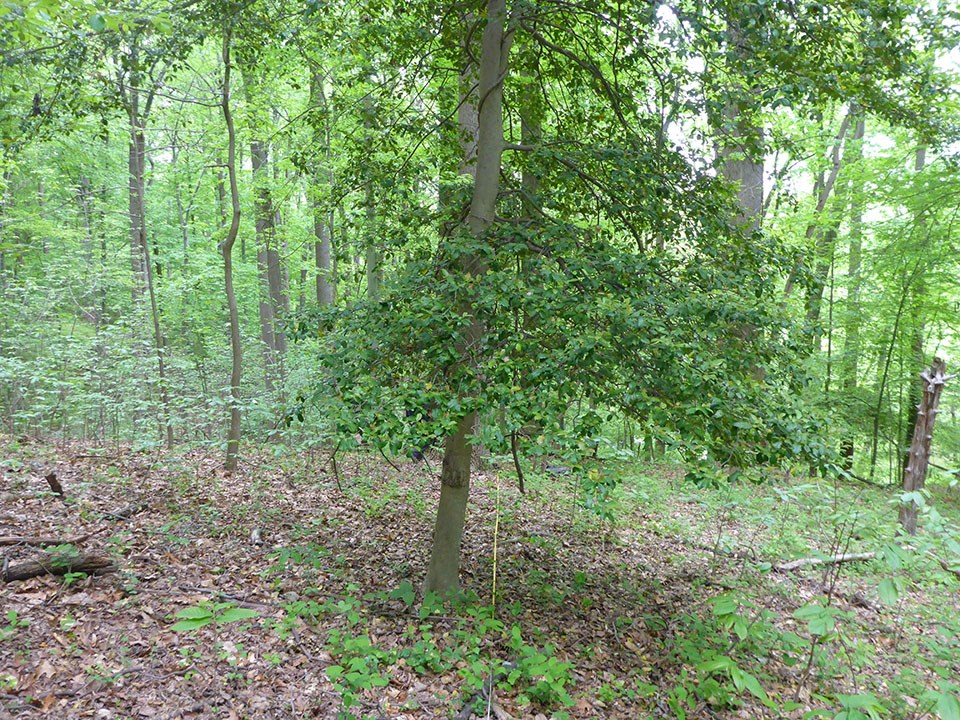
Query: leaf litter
x,y
311,563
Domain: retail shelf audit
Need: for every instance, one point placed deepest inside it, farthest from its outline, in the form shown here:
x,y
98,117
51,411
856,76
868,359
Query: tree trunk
x,y
136,190
850,359
142,267
273,298
373,260
915,472
825,188
226,248
322,216
826,231
443,571
918,290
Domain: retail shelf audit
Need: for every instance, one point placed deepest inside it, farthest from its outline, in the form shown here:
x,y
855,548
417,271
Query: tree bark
x,y
141,265
273,298
915,473
825,189
917,292
93,564
443,571
322,216
226,249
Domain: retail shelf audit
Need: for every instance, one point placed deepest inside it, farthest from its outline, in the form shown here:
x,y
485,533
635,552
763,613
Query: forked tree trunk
x,y
444,569
915,472
226,248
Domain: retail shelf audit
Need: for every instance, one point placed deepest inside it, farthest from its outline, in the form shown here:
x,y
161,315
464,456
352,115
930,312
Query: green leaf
x,y
334,672
712,666
888,592
195,613
234,614
405,592
948,707
864,700
724,605
98,23
194,624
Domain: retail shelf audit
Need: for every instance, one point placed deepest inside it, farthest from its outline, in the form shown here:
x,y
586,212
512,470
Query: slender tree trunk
x,y
825,189
273,298
918,290
142,267
226,248
322,216
443,571
373,257
850,361
826,231
136,192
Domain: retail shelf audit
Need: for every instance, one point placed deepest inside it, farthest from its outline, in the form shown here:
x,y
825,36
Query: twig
x,y
336,469
384,456
127,512
239,602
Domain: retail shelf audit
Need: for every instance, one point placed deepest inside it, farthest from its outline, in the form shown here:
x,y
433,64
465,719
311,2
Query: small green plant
x,y
541,675
359,668
14,623
206,613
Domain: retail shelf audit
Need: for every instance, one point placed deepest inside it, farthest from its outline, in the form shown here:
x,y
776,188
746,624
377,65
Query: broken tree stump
x,y
92,564
915,471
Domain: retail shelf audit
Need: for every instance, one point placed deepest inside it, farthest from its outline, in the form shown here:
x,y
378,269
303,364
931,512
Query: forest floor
x,y
674,608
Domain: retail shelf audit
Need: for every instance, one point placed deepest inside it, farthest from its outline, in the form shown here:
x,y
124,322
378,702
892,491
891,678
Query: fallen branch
x,y
43,541
222,596
127,512
813,562
92,564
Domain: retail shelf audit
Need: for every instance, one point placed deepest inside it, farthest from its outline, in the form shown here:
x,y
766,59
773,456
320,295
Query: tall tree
x,y
226,249
492,67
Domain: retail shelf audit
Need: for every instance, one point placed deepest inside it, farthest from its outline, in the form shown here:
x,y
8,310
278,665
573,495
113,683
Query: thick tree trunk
x,y
226,248
915,473
443,572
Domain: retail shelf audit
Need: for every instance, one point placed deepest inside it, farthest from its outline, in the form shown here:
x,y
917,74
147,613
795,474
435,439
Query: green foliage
x,y
211,613
541,675
13,624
